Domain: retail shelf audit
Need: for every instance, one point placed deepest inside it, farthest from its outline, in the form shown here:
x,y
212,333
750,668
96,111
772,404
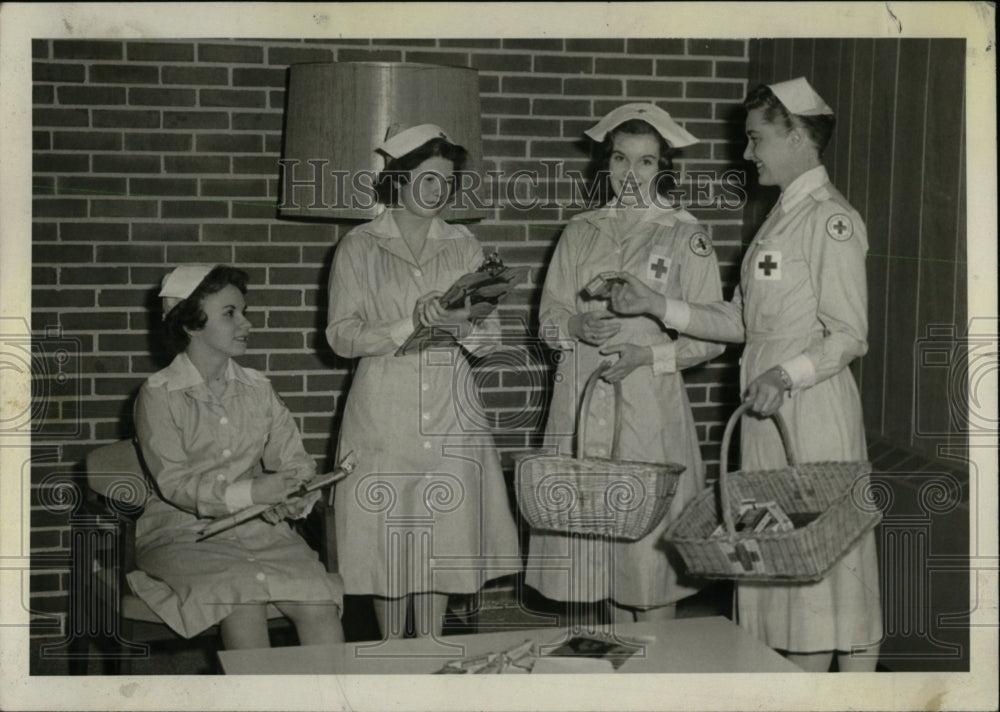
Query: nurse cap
x,y
800,98
653,115
399,140
179,284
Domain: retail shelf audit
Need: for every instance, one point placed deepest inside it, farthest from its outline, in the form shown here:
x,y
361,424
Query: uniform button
x,y
426,416
602,421
425,386
251,558
261,576
220,476
227,452
224,420
418,273
427,444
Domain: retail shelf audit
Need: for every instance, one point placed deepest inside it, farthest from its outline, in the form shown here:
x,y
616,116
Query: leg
x,y
391,615
812,662
316,623
865,661
246,627
657,613
428,613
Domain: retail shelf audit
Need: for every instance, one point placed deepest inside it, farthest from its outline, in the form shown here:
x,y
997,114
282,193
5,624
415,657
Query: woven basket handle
x,y
727,514
588,393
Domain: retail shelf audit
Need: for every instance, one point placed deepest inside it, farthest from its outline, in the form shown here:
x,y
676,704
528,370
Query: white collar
x,y
651,213
803,186
182,374
385,226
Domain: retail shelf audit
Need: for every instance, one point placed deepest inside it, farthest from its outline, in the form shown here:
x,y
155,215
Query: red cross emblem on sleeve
x,y
767,265
840,227
659,267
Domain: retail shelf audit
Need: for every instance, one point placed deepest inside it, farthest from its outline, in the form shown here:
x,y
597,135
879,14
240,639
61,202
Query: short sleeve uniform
x,y
203,452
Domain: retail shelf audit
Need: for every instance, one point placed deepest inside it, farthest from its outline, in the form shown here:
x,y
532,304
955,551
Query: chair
x,y
105,610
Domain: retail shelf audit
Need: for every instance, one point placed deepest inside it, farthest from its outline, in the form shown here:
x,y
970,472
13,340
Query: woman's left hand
x,y
766,393
434,314
630,357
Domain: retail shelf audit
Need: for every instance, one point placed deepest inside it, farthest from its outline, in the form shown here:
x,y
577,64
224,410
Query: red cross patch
x,y
767,265
744,558
658,268
700,244
840,227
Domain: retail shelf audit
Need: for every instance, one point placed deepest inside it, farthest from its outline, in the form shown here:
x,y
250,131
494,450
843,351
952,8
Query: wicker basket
x,y
838,490
594,495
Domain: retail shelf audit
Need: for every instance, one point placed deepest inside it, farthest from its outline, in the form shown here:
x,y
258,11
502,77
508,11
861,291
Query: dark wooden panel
x,y
859,121
783,67
825,79
904,236
879,168
939,222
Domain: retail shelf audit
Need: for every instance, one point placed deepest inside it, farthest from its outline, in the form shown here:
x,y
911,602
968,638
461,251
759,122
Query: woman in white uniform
x,y
638,231
216,439
801,308
425,513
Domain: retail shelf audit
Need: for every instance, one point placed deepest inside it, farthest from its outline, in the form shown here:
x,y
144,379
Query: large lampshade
x,y
337,113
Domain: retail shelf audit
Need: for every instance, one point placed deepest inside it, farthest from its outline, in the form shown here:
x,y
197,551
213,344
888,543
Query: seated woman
x,y
217,439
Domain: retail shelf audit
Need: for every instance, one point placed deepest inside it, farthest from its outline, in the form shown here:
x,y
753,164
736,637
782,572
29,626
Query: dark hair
x,y
397,171
665,179
819,127
188,314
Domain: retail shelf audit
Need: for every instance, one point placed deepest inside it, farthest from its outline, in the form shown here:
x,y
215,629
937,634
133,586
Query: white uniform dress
x,y
203,452
428,479
671,253
802,303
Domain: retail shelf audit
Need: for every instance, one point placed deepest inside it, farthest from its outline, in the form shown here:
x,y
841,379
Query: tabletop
x,y
686,645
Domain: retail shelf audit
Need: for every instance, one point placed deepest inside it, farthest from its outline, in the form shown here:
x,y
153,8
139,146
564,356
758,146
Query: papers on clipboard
x,y
256,510
484,289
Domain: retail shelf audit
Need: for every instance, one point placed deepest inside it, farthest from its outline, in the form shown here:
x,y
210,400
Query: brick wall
x,y
148,154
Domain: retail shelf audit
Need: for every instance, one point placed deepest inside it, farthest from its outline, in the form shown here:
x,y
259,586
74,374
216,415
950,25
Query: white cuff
x,y
556,336
677,315
237,495
401,330
664,358
801,370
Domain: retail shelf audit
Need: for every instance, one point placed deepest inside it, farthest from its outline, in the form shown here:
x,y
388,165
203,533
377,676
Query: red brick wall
x,y
147,154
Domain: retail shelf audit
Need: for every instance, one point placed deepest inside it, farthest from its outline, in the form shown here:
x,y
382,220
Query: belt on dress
x,y
782,335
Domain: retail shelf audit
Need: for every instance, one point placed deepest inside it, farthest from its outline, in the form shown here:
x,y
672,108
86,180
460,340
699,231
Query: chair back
x,y
116,472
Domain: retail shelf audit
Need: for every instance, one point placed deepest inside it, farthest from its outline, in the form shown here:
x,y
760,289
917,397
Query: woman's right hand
x,y
420,309
271,489
629,295
593,327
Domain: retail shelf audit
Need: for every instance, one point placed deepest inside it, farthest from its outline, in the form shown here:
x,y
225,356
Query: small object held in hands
x,y
600,287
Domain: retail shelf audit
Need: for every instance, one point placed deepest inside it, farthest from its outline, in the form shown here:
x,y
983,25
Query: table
x,y
686,645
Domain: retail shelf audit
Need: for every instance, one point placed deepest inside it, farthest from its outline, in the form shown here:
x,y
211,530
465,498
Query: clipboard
x,y
345,468
485,289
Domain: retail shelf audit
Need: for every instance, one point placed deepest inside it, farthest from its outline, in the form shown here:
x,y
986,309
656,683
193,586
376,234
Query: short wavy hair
x,y
665,180
188,315
819,128
398,171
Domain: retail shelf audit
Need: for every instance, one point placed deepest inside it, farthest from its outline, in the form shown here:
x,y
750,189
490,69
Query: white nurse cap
x,y
180,283
800,98
399,141
653,115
